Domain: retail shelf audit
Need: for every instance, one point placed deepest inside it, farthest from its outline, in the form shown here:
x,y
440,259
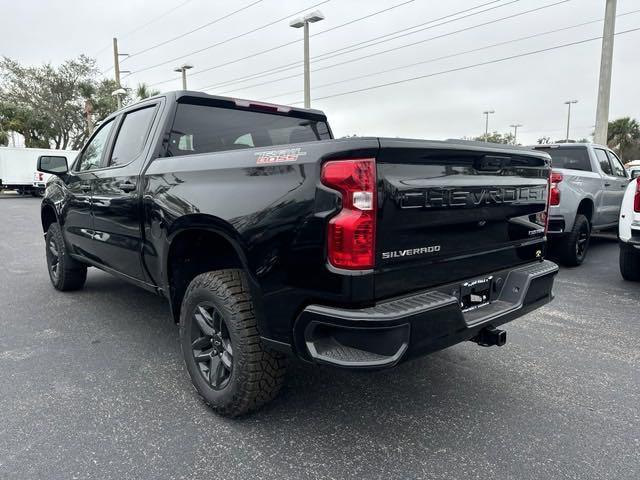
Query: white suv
x,y
629,232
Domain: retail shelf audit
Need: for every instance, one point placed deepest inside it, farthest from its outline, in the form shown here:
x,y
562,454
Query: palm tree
x,y
624,136
143,91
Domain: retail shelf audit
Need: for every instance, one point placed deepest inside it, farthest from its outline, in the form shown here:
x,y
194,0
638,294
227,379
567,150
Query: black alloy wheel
x,y
582,242
211,346
53,259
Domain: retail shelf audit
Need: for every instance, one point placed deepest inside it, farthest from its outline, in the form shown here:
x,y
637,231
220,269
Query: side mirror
x,y
635,174
57,165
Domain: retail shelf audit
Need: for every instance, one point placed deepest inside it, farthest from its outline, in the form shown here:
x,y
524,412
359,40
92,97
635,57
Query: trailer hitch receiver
x,y
490,336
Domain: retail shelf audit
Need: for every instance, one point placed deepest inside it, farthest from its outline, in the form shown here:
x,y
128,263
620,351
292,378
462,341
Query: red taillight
x,y
352,233
636,198
554,193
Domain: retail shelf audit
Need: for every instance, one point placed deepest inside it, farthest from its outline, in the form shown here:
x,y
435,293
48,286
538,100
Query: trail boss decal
x,y
410,252
286,155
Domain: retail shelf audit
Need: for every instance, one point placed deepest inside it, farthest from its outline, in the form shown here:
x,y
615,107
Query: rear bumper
x,y
410,326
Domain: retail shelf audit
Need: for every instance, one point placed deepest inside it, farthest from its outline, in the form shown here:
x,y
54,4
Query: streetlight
x,y
312,17
119,93
486,113
515,127
183,69
569,102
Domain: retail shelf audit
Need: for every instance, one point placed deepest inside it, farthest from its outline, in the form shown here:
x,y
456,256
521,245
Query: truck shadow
x,y
318,402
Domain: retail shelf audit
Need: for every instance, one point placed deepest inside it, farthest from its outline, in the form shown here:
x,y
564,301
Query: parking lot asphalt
x,y
92,385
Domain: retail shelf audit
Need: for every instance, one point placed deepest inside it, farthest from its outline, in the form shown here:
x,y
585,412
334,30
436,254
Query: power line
x,y
231,38
466,67
131,32
399,47
431,60
177,37
277,47
289,66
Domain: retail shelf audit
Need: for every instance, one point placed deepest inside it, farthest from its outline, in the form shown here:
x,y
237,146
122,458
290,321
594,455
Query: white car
x,y
629,232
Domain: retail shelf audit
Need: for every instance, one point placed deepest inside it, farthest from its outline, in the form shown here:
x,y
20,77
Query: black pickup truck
x,y
269,238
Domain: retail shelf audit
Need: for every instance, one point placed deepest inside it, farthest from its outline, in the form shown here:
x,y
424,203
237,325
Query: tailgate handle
x,y
492,163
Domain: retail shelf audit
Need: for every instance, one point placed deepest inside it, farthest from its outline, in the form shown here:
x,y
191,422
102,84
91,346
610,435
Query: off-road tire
x,y
629,263
258,372
570,251
68,274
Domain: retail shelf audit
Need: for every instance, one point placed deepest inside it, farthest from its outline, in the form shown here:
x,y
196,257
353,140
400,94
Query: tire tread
x,y
261,371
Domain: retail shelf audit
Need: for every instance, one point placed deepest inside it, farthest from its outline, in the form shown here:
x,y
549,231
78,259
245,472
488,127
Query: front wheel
x,y
629,262
228,364
574,245
65,272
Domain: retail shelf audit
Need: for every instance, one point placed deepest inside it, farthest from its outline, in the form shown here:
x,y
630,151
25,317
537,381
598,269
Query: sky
x,y
447,99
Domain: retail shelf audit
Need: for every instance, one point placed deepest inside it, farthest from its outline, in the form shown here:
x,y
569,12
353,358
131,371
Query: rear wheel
x,y
228,364
573,246
65,272
629,262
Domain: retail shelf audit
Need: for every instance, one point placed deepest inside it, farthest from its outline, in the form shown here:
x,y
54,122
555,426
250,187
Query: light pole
x,y
486,113
119,93
312,17
515,127
569,103
183,69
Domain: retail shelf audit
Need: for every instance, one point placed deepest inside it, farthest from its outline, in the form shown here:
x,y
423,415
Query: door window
x,y
603,160
616,164
132,135
91,157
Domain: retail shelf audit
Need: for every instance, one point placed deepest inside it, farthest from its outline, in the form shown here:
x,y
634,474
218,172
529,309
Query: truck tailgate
x,y
450,211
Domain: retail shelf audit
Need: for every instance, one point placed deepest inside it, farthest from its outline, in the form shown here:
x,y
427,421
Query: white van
x,y
18,168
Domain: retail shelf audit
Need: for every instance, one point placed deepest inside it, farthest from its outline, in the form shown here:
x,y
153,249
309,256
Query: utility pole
x,y
606,62
116,68
569,103
486,113
515,132
304,22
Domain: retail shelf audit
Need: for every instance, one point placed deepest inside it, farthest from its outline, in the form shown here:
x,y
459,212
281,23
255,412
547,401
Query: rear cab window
x,y
603,160
571,158
202,128
132,135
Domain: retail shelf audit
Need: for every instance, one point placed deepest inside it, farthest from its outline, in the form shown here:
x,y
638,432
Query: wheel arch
x,y
586,207
48,215
197,244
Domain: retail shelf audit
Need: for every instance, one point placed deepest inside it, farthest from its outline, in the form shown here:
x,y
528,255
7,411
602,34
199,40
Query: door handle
x,y
85,187
127,186
623,186
607,184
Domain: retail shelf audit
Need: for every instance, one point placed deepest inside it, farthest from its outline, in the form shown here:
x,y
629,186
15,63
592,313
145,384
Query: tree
x,y
44,103
624,137
544,140
495,137
143,91
55,106
34,126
